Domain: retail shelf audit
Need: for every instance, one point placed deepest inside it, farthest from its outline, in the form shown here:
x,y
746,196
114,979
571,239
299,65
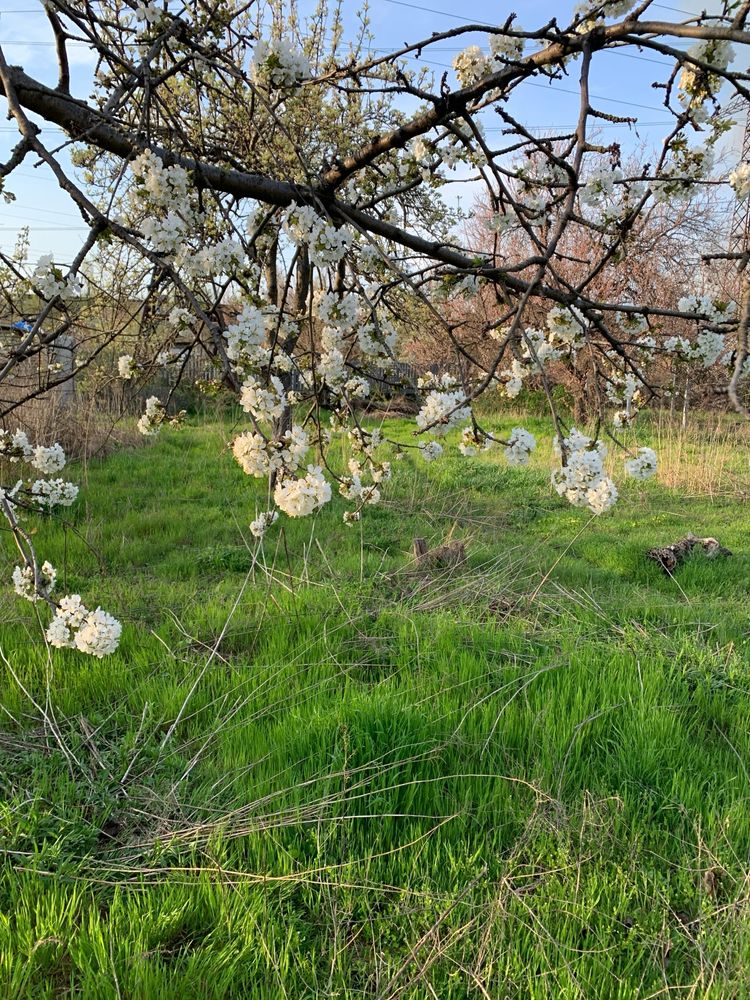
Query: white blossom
x,y
520,445
25,585
643,466
263,522
48,460
51,493
125,367
278,65
443,410
300,497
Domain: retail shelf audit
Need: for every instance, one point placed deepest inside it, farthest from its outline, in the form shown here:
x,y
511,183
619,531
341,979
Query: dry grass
x,y
710,457
86,427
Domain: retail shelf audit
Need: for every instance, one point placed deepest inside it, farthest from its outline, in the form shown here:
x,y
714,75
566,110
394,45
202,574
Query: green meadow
x,y
314,769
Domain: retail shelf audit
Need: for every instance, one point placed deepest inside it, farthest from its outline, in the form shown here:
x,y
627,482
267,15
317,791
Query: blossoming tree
x,y
241,160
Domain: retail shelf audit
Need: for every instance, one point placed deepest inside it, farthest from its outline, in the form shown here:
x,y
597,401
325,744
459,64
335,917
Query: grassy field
x,y
313,771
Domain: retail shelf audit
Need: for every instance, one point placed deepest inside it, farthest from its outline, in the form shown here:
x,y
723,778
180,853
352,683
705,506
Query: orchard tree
x,y
276,193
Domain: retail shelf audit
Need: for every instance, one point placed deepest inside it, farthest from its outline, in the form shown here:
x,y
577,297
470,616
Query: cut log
x,y
669,557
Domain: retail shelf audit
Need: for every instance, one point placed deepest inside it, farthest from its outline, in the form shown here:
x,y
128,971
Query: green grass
x,y
525,778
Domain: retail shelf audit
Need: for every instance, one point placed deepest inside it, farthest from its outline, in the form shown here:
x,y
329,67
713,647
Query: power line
x,y
458,17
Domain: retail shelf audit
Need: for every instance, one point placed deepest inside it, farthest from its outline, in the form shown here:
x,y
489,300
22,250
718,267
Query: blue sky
x,y
621,84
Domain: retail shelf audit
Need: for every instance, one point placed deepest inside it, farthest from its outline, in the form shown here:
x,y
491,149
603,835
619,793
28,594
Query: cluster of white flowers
x,y
45,493
354,487
582,479
709,346
430,450
567,327
147,12
48,460
679,175
697,85
473,442
471,64
328,244
259,457
643,466
602,8
507,47
263,522
51,493
170,217
90,631
633,323
94,632
125,366
706,306
276,64
149,424
300,497
541,181
15,447
519,447
740,181
600,184
51,282
623,391
34,590
443,408
512,378
264,404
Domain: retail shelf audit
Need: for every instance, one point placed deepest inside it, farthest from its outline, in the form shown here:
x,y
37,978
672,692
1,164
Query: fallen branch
x,y
669,557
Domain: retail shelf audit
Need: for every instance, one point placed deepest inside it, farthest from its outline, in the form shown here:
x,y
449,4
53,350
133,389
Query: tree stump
x,y
449,554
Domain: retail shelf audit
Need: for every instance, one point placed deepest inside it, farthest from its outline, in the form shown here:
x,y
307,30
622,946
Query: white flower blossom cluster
x,y
94,632
49,493
327,244
149,423
712,309
541,182
259,457
472,442
567,327
582,480
263,403
45,493
643,466
15,447
34,590
51,282
519,447
125,367
538,350
48,460
740,181
147,12
697,85
471,64
430,450
632,323
623,390
277,65
263,522
678,177
354,487
444,406
608,8
299,497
